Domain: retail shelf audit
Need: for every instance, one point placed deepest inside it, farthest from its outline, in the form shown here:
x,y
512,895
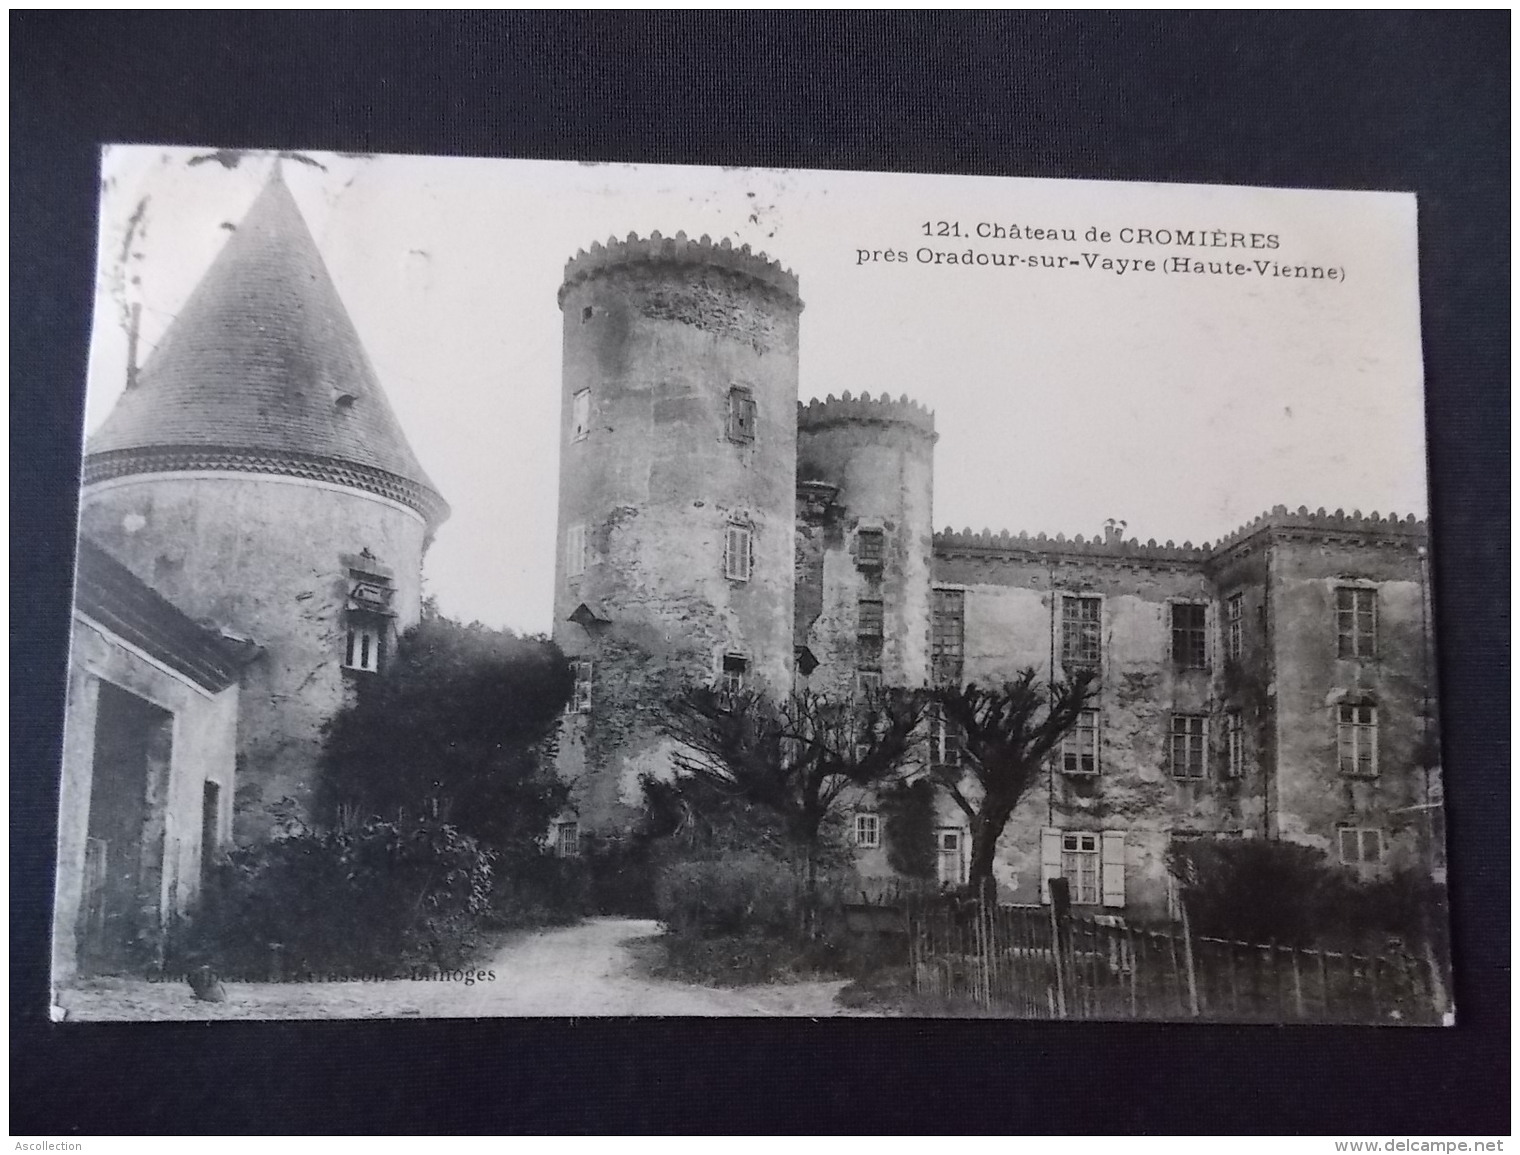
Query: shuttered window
x,y
1091,862
575,551
741,414
738,553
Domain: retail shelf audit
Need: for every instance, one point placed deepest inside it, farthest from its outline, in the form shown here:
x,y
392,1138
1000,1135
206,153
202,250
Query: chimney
x,y
1113,531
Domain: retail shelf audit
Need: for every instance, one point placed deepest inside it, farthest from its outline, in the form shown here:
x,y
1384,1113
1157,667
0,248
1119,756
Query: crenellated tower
x,y
865,540
676,493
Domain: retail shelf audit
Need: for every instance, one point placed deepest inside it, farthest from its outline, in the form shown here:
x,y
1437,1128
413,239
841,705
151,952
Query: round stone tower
x,y
676,494
865,471
254,474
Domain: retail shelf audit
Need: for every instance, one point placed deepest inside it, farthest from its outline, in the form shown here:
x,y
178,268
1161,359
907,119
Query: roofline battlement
x,y
1279,518
679,250
865,410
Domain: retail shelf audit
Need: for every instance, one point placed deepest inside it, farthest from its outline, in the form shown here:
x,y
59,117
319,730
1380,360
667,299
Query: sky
x,y
1181,403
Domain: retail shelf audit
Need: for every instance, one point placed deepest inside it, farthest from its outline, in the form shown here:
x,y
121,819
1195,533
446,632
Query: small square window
x,y
738,553
1361,846
868,682
1189,636
867,830
1356,622
580,415
741,414
870,548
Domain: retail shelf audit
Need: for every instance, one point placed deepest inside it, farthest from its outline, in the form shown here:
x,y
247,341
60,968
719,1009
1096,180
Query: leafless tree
x,y
1006,732
796,757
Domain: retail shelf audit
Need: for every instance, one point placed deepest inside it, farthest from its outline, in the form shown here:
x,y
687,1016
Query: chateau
x,y
253,525
1275,684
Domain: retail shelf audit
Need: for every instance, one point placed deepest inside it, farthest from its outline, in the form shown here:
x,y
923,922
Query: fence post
x,y
1134,971
1298,984
1187,954
1058,898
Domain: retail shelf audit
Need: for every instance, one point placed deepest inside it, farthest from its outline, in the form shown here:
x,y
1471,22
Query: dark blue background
x,y
1396,101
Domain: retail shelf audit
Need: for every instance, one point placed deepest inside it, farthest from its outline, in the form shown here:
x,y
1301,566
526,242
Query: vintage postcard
x,y
535,588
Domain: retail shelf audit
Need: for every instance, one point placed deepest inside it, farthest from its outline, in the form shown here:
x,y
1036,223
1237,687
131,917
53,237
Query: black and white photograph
x,y
536,588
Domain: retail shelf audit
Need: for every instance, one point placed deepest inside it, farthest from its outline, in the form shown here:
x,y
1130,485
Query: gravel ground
x,y
581,970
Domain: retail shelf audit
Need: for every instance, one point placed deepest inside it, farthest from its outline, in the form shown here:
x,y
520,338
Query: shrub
x,y
1262,891
533,887
377,899
741,893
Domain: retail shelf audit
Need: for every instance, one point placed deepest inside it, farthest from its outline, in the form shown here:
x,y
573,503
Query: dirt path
x,y
585,969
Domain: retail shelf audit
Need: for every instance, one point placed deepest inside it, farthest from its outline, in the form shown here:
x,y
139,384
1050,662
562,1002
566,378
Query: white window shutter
x,y
1113,868
1050,860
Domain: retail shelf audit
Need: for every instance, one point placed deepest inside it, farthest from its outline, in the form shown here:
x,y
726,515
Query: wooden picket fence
x,y
1032,962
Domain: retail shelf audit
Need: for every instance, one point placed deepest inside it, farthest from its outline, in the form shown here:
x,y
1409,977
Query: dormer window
x,y
367,620
741,414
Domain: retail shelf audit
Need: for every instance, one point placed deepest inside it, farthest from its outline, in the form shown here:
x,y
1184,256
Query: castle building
x,y
1277,684
251,489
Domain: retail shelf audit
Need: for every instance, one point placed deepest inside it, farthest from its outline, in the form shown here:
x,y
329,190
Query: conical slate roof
x,y
262,371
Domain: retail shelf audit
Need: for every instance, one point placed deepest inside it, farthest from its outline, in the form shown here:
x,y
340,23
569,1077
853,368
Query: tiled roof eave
x,y
115,463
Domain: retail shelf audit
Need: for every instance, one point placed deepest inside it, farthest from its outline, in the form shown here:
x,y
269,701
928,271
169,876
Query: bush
x,y
1261,891
375,900
534,887
743,893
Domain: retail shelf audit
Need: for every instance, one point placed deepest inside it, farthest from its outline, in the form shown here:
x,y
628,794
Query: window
x,y
580,415
362,648
870,548
1189,636
1234,641
1356,739
1081,631
580,697
1189,744
731,677
867,830
1091,862
870,622
567,839
741,414
1235,744
944,742
948,637
575,551
1361,846
1079,745
1356,622
1081,864
738,553
869,682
